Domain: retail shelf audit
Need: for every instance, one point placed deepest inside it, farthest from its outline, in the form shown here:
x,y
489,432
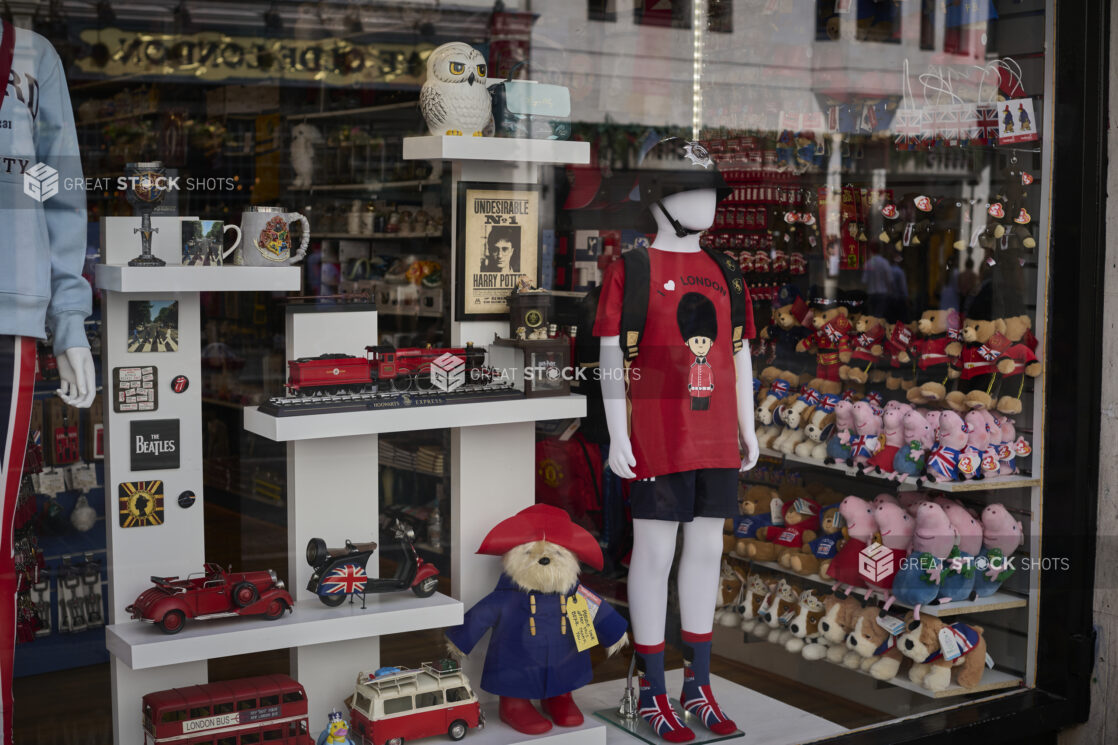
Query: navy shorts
x,y
681,497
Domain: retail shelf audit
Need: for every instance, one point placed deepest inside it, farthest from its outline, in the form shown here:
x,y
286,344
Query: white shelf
x,y
142,645
954,487
992,680
476,414
763,720
513,150
997,601
123,278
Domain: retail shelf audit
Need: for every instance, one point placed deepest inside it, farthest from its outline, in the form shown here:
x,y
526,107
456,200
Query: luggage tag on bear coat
x,y
892,624
989,661
581,622
948,644
776,511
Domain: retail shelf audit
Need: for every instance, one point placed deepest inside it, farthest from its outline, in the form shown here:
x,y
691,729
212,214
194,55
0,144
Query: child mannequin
x,y
700,494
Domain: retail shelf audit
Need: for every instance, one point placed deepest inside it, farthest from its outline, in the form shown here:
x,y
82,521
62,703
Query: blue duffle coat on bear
x,y
523,664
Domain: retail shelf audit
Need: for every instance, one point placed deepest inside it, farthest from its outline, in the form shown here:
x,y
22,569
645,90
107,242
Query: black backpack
x,y
634,312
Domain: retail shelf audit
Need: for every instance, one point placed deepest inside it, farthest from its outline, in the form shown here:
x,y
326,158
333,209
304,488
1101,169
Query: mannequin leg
x,y
651,562
17,383
699,568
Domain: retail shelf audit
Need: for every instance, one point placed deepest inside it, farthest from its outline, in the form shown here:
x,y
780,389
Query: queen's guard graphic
x,y
698,324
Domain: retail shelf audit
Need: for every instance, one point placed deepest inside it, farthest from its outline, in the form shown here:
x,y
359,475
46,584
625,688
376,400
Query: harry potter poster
x,y
498,246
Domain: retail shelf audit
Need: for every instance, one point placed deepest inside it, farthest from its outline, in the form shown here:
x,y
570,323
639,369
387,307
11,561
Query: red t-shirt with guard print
x,y
682,384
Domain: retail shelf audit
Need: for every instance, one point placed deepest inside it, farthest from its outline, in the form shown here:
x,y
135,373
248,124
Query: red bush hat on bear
x,y
542,522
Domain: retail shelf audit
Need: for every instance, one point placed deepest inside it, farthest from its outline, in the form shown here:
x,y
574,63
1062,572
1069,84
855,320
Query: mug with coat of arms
x,y
267,237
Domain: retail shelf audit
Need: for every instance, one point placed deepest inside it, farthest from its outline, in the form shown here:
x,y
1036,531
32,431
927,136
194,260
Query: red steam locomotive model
x,y
384,368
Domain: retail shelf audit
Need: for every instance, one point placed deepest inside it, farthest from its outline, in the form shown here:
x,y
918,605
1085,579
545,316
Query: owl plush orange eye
x,y
457,68
481,71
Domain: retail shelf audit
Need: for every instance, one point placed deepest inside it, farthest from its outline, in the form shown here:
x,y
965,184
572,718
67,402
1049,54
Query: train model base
x,y
335,404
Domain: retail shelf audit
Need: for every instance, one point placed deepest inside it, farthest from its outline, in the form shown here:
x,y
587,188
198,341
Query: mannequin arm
x,y
612,367
70,294
747,435
79,379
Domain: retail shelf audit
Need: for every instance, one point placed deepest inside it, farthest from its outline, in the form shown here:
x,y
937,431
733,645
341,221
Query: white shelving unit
x,y
143,658
140,646
408,419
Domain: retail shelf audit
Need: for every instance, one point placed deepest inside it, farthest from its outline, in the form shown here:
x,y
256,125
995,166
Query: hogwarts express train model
x,y
389,378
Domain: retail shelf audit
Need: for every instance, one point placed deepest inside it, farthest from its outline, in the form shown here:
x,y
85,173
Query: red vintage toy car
x,y
214,593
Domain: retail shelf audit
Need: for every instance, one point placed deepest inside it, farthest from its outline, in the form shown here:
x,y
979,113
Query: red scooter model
x,y
340,572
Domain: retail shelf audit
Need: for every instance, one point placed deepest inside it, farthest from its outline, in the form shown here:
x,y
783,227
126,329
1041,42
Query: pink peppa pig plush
x,y
918,439
911,500
867,442
991,464
957,581
978,439
857,513
943,462
838,447
892,435
1007,457
1002,534
882,498
894,528
917,583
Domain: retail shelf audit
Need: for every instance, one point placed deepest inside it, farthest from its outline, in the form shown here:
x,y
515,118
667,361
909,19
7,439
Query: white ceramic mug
x,y
267,232
201,244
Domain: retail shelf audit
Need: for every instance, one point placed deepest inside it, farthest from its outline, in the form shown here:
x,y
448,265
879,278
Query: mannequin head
x,y
694,210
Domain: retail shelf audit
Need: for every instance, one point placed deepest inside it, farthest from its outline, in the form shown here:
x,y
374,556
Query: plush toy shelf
x,y
953,487
992,680
998,601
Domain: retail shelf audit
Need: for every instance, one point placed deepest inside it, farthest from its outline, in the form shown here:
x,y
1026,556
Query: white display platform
x,y
118,278
500,149
142,645
476,414
764,720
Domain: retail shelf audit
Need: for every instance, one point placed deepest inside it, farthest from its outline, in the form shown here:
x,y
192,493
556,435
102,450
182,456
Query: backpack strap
x,y
732,273
634,301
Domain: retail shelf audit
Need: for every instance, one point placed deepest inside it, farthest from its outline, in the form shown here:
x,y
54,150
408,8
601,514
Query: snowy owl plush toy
x,y
455,100
303,139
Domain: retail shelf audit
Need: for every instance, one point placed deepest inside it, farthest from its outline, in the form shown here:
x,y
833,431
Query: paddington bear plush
x,y
536,612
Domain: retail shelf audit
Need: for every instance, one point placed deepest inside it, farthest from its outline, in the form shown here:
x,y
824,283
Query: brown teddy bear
x,y
831,337
755,513
815,556
800,519
872,648
1016,361
975,366
930,668
936,349
867,348
899,338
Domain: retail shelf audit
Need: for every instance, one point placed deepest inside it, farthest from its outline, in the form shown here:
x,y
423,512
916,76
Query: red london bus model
x,y
267,709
